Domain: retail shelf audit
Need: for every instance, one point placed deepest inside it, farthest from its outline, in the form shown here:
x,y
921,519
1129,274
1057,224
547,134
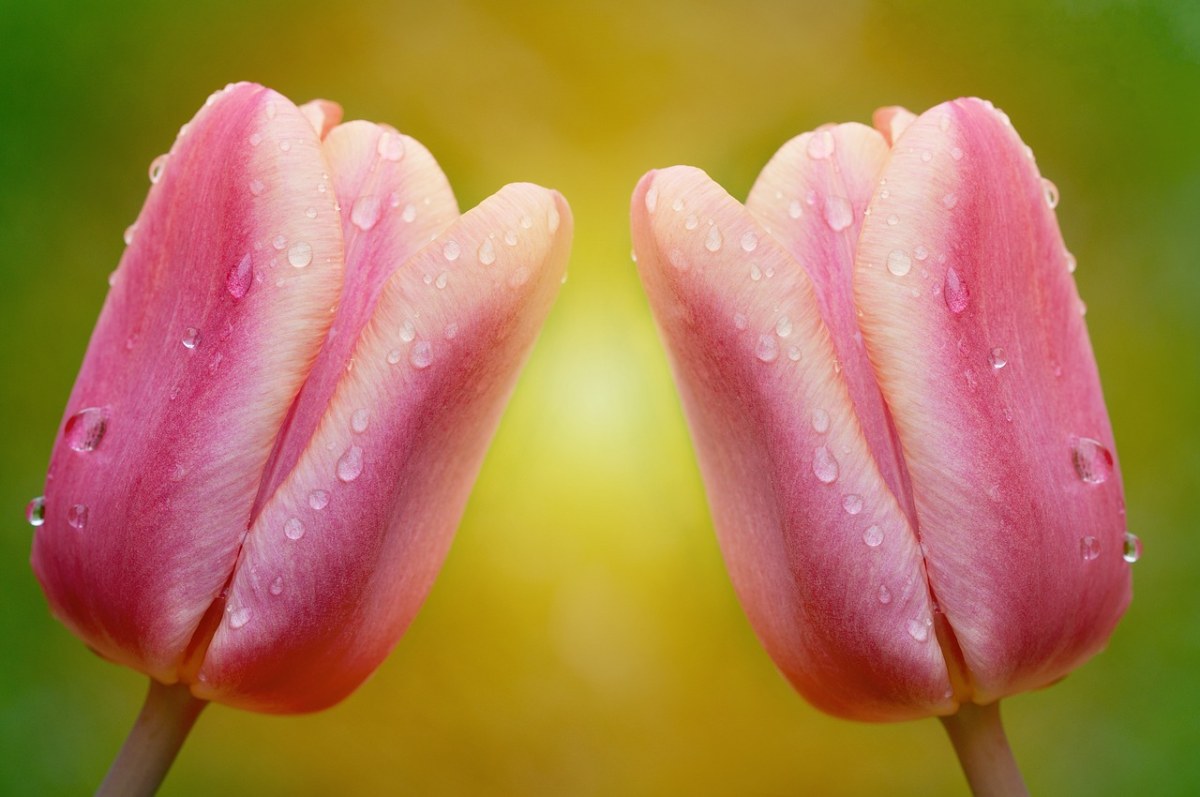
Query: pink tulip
x,y
899,421
285,401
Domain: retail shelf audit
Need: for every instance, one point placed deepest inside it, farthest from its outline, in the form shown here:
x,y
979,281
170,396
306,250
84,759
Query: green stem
x,y
978,739
159,731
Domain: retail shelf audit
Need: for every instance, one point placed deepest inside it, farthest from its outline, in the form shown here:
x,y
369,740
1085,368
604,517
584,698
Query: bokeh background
x,y
583,638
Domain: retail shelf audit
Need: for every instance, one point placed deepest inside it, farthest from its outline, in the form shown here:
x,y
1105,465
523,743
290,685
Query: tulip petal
x,y
811,196
344,553
381,178
973,320
218,308
323,115
820,552
892,121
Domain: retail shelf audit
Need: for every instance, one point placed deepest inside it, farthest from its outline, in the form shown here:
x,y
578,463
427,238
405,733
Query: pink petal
x,y
344,553
837,595
218,308
812,196
323,115
892,121
972,317
394,199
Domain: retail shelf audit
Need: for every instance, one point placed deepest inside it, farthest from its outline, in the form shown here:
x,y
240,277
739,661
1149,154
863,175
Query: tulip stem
x,y
157,734
978,738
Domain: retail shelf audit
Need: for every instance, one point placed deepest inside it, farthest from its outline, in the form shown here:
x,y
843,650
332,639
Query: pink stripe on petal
x,y
216,313
821,554
974,322
343,555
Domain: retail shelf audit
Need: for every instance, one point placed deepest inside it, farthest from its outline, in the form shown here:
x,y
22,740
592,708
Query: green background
x,y
583,638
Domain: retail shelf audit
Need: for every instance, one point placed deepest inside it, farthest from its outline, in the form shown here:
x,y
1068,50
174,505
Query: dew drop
x,y
240,277
919,629
838,213
820,421
318,499
1132,550
1051,191
255,139
820,145
767,349
294,528
394,356
852,503
510,237
749,242
191,338
824,466
956,153
1093,462
156,168
359,420
955,292
873,536
652,199
85,429
1071,263
409,213
677,205
451,250
712,241
740,321
997,358
885,594
526,222
390,146
239,617
451,330
794,353
421,355
487,252
795,209
1089,548
300,254
949,201
920,253
519,277
365,213
442,279
279,242
129,233
755,272
350,465
257,187
285,146
691,222
276,585
35,511
77,516
926,156
898,262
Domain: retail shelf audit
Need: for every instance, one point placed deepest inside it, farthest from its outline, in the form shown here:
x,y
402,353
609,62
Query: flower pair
x,y
882,357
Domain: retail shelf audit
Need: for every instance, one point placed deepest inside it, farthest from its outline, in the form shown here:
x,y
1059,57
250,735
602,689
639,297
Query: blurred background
x,y
583,638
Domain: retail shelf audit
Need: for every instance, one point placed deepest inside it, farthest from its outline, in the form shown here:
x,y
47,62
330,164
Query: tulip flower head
x,y
285,401
884,363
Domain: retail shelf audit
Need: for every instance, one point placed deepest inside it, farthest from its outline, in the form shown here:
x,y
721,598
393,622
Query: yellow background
x,y
583,638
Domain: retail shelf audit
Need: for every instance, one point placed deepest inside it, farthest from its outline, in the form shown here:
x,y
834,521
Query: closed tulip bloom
x,y
286,399
884,363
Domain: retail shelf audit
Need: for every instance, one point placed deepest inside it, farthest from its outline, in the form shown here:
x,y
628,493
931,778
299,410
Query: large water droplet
x,y
873,536
767,349
277,585
35,511
838,213
85,429
898,262
652,199
919,629
852,503
824,466
421,355
820,145
955,292
997,358
407,331
820,421
487,252
1089,548
350,465
1093,462
239,617
191,338
359,420
240,277
390,146
1132,550
712,241
783,327
366,212
451,250
300,254
293,528
156,168
318,499
77,516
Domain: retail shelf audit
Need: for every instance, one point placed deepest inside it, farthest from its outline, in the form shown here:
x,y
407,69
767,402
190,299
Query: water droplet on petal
x,y
409,213
898,262
740,321
390,146
820,145
85,429
35,511
359,420
955,292
318,499
510,237
919,629
820,421
552,219
767,349
997,358
191,338
451,330
873,536
487,252
407,331
77,516
852,503
1132,550
294,528
365,213
691,222
652,199
712,241
451,250
257,187
795,209
240,277
1089,548
239,617
824,466
783,327
885,594
755,272
749,242
350,464
677,205
300,254
794,353
526,222
1051,191
421,355
838,213
156,168
442,280
1093,462
949,201
956,153
276,585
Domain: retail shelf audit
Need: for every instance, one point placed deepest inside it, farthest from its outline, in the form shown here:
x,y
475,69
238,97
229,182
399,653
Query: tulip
x,y
884,364
284,404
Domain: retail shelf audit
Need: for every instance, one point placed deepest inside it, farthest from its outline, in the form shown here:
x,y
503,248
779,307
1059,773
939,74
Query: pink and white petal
x,y
891,121
394,200
215,315
819,550
975,326
343,555
811,197
323,115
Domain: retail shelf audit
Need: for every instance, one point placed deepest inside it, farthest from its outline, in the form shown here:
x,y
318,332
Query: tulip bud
x,y
285,401
897,413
